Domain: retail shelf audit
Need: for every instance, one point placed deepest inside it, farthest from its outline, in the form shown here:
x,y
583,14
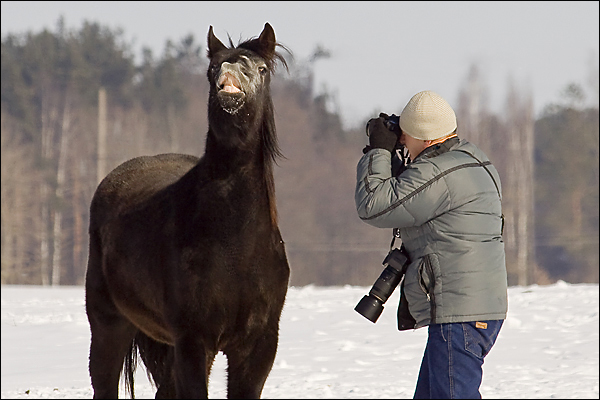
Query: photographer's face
x,y
414,146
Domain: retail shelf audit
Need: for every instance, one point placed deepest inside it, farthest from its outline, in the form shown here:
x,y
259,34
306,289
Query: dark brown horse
x,y
186,258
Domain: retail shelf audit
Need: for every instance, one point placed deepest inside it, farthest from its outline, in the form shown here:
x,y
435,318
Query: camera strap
x,y
396,231
396,234
493,180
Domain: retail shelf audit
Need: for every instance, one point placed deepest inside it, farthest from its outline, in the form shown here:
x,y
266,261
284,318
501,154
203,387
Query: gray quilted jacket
x,y
448,211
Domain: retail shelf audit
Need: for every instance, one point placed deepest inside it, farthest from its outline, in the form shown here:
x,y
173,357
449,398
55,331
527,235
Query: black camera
x,y
371,306
400,159
392,122
400,156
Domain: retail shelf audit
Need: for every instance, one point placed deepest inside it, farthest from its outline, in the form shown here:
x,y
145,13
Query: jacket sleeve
x,y
417,195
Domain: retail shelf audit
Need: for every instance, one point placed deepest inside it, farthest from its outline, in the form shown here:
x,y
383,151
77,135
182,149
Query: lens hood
x,y
369,307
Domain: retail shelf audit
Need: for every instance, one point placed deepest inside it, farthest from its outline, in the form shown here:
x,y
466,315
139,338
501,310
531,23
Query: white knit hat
x,y
427,116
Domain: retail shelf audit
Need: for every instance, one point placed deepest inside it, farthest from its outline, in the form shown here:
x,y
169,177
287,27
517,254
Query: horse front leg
x,y
249,365
192,366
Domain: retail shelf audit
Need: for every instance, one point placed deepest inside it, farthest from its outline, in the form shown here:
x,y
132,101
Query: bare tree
x,y
58,233
520,183
50,110
472,110
19,226
101,159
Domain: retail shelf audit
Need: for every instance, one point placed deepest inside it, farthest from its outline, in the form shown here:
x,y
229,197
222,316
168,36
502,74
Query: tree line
x,y
75,104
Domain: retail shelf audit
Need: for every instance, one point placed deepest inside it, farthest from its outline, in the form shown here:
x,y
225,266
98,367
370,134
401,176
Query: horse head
x,y
240,75
239,79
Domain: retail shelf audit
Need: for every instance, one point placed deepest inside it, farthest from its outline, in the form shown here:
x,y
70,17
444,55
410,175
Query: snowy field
x,y
548,347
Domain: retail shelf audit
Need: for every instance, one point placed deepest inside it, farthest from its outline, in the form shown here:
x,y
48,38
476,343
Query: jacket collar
x,y
439,148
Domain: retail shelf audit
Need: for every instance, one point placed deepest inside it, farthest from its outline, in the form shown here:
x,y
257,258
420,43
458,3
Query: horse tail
x,y
129,368
158,359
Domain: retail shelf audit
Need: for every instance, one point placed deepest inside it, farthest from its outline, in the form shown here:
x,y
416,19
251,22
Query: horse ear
x,y
214,44
267,42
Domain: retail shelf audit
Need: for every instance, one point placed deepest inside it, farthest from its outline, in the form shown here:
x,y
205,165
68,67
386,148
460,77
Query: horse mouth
x,y
228,83
230,95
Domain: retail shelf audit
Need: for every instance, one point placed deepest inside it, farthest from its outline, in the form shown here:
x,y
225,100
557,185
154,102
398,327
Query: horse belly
x,y
139,301
148,322
135,281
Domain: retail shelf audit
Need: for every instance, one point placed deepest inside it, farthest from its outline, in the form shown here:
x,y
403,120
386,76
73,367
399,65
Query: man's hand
x,y
380,137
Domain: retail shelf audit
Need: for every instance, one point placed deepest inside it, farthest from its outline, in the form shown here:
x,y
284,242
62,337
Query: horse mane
x,y
252,44
271,151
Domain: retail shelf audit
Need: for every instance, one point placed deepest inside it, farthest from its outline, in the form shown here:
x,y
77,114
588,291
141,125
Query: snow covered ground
x,y
548,347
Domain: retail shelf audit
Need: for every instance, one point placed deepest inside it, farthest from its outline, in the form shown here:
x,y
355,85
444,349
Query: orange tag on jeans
x,y
481,325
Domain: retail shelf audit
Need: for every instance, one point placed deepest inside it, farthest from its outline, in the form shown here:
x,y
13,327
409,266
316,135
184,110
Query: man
x,y
446,206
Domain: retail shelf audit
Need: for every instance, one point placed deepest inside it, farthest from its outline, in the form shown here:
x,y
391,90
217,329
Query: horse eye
x,y
262,70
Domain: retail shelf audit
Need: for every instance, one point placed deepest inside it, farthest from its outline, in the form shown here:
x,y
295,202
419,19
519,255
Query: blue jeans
x,y
451,366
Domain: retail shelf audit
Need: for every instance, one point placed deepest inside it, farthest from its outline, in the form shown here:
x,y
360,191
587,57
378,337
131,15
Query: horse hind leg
x,y
192,364
166,390
112,337
249,367
112,334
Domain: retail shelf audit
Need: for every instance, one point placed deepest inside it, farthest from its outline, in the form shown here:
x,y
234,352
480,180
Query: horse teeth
x,y
230,89
229,83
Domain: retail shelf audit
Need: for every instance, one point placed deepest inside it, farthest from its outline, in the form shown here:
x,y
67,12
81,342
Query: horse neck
x,y
226,159
253,159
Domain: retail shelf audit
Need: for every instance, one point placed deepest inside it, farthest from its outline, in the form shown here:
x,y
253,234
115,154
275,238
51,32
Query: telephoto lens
x,y
371,305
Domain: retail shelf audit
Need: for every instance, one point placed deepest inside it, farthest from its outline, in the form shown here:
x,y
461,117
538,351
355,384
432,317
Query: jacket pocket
x,y
427,284
405,319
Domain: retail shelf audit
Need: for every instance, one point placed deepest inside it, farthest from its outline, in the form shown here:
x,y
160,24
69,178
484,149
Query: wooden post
x,y
101,166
